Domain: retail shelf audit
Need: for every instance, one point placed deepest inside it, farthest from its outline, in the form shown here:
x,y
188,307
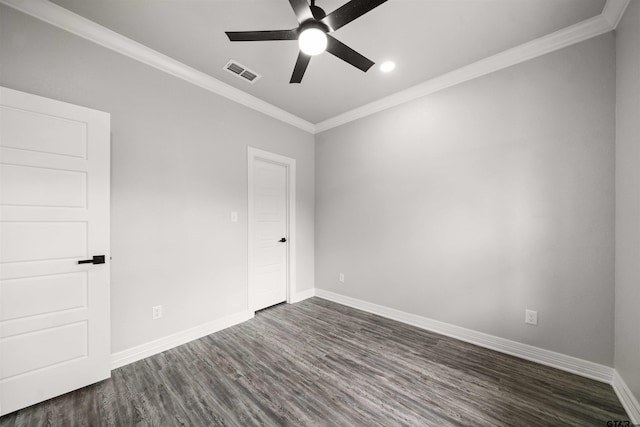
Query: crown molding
x,y
603,23
613,11
592,27
82,27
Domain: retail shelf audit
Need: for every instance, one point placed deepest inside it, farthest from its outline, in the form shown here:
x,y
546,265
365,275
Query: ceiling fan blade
x,y
349,12
302,10
252,36
300,68
344,52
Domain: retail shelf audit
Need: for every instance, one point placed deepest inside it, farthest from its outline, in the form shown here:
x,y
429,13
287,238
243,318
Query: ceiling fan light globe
x,y
312,41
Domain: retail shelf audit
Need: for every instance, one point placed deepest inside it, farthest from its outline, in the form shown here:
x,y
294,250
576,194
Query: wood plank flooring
x,y
317,363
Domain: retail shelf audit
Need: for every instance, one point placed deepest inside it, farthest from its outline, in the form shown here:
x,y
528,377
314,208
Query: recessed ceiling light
x,y
387,66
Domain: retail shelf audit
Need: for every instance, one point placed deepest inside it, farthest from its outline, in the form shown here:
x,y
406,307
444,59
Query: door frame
x,y
289,163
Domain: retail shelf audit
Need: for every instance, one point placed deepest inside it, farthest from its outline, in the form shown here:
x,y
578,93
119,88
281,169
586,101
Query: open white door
x,y
54,212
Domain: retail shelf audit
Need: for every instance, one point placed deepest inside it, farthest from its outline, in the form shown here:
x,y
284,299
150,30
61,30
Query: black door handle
x,y
283,240
97,259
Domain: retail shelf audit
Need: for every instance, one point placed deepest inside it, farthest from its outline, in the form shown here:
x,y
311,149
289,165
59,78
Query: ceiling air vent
x,y
241,72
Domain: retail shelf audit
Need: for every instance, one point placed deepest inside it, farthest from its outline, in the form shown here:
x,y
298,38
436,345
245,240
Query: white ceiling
x,y
426,38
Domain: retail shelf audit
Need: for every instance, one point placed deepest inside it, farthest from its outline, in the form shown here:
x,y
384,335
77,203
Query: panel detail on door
x,y
28,130
23,353
34,241
48,294
42,187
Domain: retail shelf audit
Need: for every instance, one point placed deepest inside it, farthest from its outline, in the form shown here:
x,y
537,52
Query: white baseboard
x,y
303,295
628,400
524,351
140,352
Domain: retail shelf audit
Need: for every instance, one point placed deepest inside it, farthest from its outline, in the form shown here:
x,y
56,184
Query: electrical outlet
x,y
157,312
531,317
341,277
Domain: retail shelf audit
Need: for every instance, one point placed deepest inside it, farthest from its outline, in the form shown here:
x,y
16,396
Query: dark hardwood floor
x,y
318,363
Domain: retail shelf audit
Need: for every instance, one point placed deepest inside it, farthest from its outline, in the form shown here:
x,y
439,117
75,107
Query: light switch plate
x,y
531,317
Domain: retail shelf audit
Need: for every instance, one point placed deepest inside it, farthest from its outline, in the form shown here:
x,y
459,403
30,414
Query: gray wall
x,y
627,349
474,203
179,167
466,206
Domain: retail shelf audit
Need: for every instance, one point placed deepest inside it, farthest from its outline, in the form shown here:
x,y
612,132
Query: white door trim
x,y
290,164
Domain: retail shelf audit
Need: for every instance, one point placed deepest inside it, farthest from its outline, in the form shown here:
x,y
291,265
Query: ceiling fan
x,y
313,31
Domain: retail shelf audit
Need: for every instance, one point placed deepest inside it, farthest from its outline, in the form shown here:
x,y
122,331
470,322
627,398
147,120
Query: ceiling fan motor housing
x,y
317,12
313,24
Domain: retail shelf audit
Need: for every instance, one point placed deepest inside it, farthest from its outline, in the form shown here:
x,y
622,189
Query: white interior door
x,y
269,229
54,212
